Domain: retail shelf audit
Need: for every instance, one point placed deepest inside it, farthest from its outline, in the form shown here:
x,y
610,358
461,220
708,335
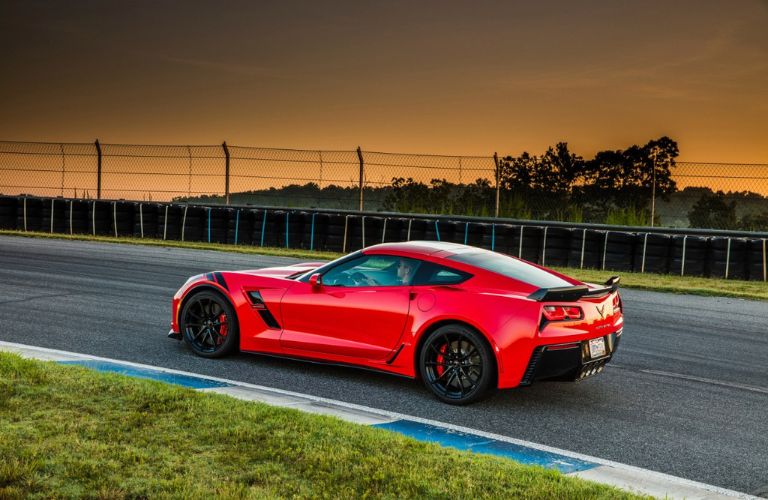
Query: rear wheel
x,y
457,365
209,324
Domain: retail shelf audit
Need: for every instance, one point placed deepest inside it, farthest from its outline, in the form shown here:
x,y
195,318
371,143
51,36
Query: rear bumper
x,y
566,362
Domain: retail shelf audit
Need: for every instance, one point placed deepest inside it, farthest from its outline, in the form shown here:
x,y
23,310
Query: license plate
x,y
597,348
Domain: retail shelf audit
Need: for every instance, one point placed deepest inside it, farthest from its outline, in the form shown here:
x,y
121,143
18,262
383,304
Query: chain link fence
x,y
294,178
705,195
717,196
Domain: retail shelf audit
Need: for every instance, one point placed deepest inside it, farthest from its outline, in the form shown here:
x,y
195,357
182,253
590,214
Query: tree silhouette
x,y
555,171
714,212
630,171
559,169
621,179
520,172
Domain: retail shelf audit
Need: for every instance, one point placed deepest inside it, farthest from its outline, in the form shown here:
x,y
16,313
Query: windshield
x,y
511,268
324,268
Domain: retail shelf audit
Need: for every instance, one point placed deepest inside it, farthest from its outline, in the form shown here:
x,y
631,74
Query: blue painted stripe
x,y
312,233
237,225
209,225
493,237
286,229
479,444
437,231
146,373
263,226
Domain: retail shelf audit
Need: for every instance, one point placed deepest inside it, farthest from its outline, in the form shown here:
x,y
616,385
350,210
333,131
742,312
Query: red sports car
x,y
464,320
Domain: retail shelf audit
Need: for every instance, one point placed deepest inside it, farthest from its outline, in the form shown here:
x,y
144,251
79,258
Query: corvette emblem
x,y
601,311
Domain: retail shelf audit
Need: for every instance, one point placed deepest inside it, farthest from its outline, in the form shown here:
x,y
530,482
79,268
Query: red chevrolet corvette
x,y
464,320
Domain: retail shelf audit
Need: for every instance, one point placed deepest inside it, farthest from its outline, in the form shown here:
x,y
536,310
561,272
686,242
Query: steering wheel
x,y
359,279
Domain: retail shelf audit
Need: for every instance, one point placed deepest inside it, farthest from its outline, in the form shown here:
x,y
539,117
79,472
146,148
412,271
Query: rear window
x,y
511,268
430,273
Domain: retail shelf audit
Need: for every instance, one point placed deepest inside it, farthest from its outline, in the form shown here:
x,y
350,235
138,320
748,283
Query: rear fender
x,y
435,323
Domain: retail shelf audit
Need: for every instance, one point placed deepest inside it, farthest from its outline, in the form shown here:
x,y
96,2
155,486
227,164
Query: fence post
x,y
226,172
498,184
98,170
653,189
362,175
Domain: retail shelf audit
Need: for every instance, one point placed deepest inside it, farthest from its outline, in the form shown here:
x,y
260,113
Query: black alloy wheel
x,y
457,365
209,324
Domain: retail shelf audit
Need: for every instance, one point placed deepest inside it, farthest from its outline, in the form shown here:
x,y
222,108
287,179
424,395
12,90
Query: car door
x,y
360,310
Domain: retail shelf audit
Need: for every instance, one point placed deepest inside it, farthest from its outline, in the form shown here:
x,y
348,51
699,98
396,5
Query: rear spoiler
x,y
574,293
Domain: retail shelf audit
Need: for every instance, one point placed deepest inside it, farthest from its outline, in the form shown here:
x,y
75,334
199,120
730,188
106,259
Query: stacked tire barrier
x,y
716,254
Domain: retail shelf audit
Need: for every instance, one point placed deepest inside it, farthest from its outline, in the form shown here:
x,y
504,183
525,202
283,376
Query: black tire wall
x,y
55,216
757,259
78,217
145,220
652,252
545,244
9,211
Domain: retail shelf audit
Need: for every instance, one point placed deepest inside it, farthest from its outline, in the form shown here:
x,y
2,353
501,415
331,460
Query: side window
x,y
373,270
434,274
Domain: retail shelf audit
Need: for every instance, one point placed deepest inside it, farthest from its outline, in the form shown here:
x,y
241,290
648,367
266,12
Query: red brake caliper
x,y
223,327
440,368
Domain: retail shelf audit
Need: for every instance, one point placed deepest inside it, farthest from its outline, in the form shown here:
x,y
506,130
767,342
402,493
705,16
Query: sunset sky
x,y
414,76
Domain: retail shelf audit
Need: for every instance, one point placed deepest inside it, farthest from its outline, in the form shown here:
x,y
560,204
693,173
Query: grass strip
x,y
755,290
72,432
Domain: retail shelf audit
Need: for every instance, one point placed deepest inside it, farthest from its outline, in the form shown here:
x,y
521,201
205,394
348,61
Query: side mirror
x,y
316,280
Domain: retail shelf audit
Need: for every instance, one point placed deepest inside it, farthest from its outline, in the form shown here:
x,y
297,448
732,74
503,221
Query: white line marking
x,y
677,486
658,487
300,403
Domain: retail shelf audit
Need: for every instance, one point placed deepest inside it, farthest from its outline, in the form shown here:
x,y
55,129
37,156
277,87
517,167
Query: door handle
x,y
411,295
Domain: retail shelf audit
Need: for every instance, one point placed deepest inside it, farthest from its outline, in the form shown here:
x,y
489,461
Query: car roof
x,y
439,250
444,248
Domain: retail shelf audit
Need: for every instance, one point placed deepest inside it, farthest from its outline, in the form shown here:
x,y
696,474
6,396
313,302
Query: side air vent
x,y
530,371
258,303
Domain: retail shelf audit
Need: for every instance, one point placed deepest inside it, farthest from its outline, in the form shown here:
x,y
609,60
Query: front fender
x,y
214,281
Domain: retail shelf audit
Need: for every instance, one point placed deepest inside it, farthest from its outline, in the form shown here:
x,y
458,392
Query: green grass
x,y
71,432
755,290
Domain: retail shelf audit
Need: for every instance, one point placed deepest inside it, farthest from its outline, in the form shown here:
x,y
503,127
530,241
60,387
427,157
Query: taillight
x,y
562,313
617,303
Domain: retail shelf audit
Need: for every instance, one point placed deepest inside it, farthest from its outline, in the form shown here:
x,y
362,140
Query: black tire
x,y
466,374
209,324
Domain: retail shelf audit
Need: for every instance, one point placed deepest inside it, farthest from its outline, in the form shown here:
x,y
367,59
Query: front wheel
x,y
209,324
457,365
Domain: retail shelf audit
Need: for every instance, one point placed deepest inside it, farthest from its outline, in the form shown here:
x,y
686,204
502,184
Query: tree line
x,y
612,187
557,184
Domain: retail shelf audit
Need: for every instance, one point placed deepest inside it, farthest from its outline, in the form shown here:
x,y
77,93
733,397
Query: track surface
x,y
687,393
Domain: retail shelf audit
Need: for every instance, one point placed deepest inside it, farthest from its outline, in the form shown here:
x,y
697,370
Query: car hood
x,y
284,271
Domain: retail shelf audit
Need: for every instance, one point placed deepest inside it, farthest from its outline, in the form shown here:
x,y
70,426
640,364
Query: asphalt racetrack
x,y
686,394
